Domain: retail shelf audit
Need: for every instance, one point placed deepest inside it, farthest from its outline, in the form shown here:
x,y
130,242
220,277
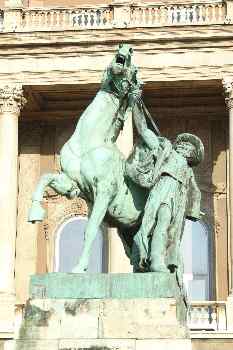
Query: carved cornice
x,y
12,99
227,83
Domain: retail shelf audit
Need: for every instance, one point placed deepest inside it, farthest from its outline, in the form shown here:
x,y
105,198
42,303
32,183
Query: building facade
x,y
52,55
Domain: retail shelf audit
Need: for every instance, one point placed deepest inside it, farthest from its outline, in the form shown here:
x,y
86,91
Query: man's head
x,y
190,147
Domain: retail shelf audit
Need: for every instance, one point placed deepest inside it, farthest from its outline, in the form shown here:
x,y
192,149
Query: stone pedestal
x,y
116,313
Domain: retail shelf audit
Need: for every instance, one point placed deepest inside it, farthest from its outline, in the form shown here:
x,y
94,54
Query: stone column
x,y
11,101
118,262
228,92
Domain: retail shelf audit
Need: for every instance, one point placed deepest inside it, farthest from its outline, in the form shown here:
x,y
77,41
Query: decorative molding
x,y
12,99
227,83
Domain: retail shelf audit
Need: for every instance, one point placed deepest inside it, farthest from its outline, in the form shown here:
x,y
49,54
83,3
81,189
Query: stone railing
x,y
65,19
178,14
207,315
120,15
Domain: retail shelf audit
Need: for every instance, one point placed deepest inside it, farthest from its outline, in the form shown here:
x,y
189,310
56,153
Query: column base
x,y
7,315
229,311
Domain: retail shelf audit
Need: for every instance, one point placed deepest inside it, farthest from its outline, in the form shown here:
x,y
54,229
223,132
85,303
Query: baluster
x,y
221,13
86,18
106,16
175,15
81,18
55,18
189,14
206,316
170,14
155,18
90,18
156,15
149,15
182,14
100,18
30,14
195,316
207,17
27,19
33,19
103,18
39,21
95,19
45,19
51,15
143,16
132,16
213,317
194,8
70,19
200,18
75,18
214,13
221,317
164,15
60,19
63,19
137,16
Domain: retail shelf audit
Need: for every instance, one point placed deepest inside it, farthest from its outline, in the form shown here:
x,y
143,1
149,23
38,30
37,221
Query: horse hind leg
x,y
60,182
97,215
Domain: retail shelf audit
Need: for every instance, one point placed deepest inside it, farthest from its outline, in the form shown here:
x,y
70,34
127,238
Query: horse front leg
x,y
60,182
37,212
97,215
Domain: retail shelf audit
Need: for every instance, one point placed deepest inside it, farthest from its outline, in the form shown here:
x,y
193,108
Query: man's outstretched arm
x,y
148,136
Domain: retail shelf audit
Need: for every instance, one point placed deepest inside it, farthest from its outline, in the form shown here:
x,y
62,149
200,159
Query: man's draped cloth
x,y
171,182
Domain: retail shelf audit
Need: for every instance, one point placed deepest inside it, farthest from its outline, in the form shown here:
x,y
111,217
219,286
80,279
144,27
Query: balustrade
x,y
65,19
109,16
1,20
178,14
207,316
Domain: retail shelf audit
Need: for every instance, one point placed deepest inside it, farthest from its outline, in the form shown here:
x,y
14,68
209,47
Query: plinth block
x,y
103,286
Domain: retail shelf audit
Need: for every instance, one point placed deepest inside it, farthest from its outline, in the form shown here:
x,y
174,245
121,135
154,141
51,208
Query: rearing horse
x,y
91,163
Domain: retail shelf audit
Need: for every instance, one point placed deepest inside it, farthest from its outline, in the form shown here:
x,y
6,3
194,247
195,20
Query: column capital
x,y
227,83
11,99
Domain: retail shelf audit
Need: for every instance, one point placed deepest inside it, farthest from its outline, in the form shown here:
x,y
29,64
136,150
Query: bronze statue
x,y
93,167
166,170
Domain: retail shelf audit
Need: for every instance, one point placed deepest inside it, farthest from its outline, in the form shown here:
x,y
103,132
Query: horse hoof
x,y
36,213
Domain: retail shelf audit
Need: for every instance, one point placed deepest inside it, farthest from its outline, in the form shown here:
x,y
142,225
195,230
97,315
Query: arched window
x,y
69,245
195,247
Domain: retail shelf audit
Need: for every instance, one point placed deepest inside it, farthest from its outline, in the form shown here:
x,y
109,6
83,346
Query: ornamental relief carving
x,y
12,99
227,83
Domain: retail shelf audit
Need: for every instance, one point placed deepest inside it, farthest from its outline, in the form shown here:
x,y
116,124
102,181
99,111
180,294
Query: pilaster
x,y
12,15
229,12
11,102
228,92
121,13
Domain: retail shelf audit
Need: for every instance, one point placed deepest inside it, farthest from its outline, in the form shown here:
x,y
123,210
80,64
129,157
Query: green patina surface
x,y
97,286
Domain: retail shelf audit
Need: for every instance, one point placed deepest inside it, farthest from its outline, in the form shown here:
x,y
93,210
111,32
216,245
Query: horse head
x,y
120,77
